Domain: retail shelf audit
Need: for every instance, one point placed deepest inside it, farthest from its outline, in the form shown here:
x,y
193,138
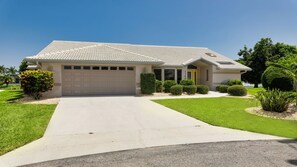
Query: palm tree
x,y
2,70
12,70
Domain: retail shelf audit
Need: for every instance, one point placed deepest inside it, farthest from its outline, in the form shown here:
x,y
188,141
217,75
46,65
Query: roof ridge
x,y
132,52
68,50
149,45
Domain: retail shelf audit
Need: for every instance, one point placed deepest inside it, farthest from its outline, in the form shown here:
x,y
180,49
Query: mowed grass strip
x,y
21,123
229,112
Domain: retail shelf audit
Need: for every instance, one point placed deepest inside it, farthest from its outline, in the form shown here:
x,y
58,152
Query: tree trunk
x,y
6,84
256,85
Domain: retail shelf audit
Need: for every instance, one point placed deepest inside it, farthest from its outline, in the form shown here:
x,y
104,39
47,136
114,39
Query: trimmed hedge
x,y
190,89
234,82
176,90
159,86
202,89
237,90
147,83
35,82
186,82
168,84
276,78
222,88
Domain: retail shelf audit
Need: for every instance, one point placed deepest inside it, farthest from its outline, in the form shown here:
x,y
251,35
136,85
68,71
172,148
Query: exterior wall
x,y
220,76
57,69
203,78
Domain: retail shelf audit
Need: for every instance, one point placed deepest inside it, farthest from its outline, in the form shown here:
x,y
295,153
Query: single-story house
x,y
93,68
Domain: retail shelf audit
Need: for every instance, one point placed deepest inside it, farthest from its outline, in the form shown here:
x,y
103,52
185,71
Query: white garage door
x,y
97,80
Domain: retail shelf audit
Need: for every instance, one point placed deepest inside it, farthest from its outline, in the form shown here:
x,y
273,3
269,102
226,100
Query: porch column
x,y
175,74
162,74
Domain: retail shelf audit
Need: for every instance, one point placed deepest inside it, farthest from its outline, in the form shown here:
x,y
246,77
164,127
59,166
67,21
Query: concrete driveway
x,y
90,125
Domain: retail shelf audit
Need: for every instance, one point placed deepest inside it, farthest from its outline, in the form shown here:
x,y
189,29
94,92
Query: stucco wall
x,y
220,76
57,69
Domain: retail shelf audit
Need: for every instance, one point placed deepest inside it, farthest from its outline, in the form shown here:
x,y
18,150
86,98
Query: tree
x,y
12,70
23,66
257,57
289,65
5,74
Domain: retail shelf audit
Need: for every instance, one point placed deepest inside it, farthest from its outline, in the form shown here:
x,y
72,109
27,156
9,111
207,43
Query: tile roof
x,y
69,51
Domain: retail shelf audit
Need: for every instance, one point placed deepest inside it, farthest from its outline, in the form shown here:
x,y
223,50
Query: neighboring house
x,y
92,68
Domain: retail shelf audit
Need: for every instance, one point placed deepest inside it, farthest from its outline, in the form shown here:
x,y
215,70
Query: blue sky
x,y
27,26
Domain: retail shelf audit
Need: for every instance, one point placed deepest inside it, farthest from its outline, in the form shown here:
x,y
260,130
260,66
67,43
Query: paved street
x,y
250,153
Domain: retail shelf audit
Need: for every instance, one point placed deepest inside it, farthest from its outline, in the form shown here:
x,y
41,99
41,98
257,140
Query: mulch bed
x,y
290,114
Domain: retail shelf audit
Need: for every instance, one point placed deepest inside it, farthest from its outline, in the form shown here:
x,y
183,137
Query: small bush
x,y
202,89
176,90
277,78
168,84
1,83
237,90
148,83
190,89
159,86
234,82
34,82
275,100
222,88
186,82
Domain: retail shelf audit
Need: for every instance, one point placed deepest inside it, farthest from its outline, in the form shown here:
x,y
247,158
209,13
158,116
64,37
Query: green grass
x,y
10,87
229,112
21,123
254,91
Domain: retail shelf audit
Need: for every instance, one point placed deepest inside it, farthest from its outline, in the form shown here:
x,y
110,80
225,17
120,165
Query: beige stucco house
x,y
92,68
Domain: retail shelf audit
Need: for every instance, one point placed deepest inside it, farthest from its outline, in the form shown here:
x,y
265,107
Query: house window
x,y
189,75
77,67
113,68
122,68
207,75
169,74
86,67
130,68
67,67
158,74
96,68
104,68
179,75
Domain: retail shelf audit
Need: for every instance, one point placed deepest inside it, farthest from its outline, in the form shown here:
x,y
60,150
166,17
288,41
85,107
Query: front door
x,y
193,75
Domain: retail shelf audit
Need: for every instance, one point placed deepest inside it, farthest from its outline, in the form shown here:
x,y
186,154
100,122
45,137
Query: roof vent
x,y
211,54
225,62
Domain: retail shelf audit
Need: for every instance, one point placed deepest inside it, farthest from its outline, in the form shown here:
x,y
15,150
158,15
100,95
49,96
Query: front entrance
x,y
193,75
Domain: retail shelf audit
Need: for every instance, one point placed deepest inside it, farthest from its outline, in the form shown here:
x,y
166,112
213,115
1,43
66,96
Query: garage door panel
x,y
98,82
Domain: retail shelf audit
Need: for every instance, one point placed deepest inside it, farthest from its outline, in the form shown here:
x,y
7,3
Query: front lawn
x,y
229,112
21,123
10,87
254,91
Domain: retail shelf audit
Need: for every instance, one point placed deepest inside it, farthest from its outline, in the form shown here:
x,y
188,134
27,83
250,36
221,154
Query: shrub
x,y
148,83
275,100
277,78
234,82
190,89
237,90
202,89
176,90
222,88
159,86
168,84
35,82
186,82
1,83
